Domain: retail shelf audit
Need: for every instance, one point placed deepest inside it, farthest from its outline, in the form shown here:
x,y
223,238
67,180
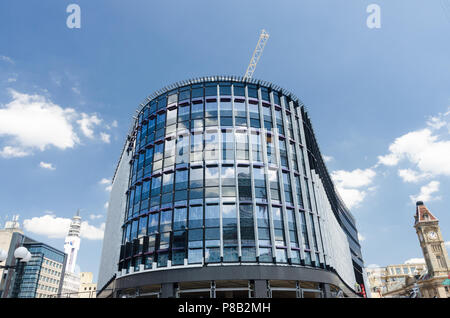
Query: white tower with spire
x,y
72,243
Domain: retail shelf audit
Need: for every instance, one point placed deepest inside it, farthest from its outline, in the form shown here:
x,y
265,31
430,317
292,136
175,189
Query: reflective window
x,y
212,145
179,219
195,216
247,232
287,187
211,111
182,149
270,144
227,145
191,147
196,178
244,183
153,222
242,146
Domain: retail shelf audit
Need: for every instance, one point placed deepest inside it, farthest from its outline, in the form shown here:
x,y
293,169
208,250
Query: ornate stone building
x,y
429,285
434,251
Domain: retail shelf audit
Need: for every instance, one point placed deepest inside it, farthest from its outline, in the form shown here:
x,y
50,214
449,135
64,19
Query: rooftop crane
x,y
257,54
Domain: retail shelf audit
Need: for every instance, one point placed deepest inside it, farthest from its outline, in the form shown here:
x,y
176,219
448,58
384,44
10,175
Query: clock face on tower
x,y
432,235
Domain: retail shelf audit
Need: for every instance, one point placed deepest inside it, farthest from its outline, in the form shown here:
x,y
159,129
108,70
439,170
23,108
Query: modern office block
x,y
221,191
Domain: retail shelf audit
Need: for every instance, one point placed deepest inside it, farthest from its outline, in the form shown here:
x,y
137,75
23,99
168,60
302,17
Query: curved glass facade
x,y
218,175
227,172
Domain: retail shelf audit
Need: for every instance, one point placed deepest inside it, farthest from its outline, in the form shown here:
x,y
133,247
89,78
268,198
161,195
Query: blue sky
x,y
378,100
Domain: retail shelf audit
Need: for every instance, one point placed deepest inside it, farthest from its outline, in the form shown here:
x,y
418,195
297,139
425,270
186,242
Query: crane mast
x,y
257,54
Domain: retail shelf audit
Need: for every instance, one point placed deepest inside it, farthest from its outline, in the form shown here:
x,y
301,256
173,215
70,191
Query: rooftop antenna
x,y
257,54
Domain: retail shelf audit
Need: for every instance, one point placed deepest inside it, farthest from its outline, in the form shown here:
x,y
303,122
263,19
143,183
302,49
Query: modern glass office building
x,y
221,191
41,277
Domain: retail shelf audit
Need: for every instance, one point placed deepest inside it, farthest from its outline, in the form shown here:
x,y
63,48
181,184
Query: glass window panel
x,y
211,90
212,254
225,90
244,183
230,254
168,182
197,92
182,149
229,215
171,117
265,255
228,175
185,94
142,227
248,254
181,179
228,191
212,192
153,222
166,221
239,90
262,215
212,217
195,256
197,110
156,186
179,218
281,256
196,178
196,194
212,234
178,257
195,216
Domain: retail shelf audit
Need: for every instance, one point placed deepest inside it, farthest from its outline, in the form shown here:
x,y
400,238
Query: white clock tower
x,y
72,243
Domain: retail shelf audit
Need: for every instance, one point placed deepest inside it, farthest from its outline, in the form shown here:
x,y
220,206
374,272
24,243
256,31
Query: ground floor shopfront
x,y
230,282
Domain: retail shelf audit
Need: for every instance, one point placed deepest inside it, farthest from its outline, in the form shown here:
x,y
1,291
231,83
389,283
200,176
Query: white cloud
x,y
12,80
33,121
95,216
114,124
361,237
415,261
105,181
349,184
409,175
353,179
436,122
48,225
87,122
426,192
56,227
45,165
351,197
13,152
91,232
6,59
427,151
105,137
447,244
327,158
106,205
389,160
76,90
373,266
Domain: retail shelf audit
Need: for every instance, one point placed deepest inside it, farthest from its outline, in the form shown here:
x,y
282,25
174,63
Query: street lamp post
x,y
21,254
